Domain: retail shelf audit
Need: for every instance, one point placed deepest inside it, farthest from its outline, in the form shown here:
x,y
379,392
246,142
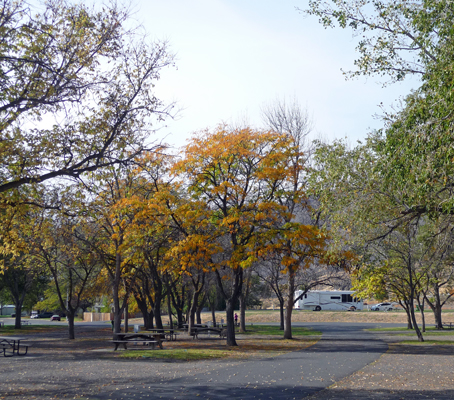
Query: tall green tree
x,y
365,217
396,38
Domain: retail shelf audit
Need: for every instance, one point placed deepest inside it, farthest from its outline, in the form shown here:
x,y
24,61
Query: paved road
x,y
343,349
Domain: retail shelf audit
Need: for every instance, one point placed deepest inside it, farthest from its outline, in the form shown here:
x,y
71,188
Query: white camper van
x,y
331,300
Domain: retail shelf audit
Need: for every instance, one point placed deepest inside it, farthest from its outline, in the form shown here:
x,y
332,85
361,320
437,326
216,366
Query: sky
x,y
233,57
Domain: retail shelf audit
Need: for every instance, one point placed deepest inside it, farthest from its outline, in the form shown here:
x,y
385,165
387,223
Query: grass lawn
x,y
258,342
274,330
29,329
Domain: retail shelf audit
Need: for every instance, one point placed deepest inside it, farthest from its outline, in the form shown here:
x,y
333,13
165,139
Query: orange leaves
x,y
239,174
194,251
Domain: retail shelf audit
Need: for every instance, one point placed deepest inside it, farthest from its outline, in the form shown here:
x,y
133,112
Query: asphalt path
x,y
342,350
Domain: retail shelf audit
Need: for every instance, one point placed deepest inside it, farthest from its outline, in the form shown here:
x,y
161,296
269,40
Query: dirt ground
x,y
396,317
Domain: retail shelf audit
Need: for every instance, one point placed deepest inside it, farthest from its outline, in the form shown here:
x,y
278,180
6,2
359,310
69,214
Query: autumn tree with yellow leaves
x,y
237,174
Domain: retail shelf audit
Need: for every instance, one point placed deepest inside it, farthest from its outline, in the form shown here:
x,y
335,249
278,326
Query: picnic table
x,y
186,326
196,331
448,324
135,338
169,334
11,345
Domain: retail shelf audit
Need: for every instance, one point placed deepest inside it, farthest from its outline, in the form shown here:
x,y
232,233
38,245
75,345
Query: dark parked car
x,y
13,315
45,315
55,318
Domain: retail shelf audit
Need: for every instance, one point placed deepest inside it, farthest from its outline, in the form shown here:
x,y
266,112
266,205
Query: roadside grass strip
x,y
430,333
428,342
429,330
29,329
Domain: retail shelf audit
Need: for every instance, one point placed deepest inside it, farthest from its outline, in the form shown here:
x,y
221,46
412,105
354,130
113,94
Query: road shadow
x,y
348,394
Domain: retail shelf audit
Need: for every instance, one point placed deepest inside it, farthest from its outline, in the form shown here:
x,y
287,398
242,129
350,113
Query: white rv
x,y
331,300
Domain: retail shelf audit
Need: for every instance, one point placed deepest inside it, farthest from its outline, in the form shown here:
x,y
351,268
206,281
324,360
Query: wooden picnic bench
x,y
147,339
166,334
448,324
11,345
195,332
124,343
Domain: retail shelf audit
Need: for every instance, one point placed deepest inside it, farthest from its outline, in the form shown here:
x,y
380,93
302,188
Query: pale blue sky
x,y
233,56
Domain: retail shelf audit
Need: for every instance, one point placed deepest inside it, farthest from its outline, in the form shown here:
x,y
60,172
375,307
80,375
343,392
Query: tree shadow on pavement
x,y
350,394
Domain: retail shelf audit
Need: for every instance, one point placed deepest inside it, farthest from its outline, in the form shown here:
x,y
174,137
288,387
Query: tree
x,y
236,174
113,221
290,119
18,272
396,38
62,250
400,38
296,241
437,285
365,217
79,68
19,279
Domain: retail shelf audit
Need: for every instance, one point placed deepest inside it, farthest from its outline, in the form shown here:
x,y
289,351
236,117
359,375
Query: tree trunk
x,y
178,302
117,312
237,282
242,313
281,314
147,317
289,305
18,302
158,317
406,307
70,319
412,307
116,295
126,324
423,319
198,311
436,307
192,309
18,317
213,313
230,322
415,325
437,314
169,309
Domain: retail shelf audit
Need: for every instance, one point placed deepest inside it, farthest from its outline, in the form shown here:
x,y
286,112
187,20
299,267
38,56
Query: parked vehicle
x,y
34,314
330,300
382,307
23,314
55,318
45,315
